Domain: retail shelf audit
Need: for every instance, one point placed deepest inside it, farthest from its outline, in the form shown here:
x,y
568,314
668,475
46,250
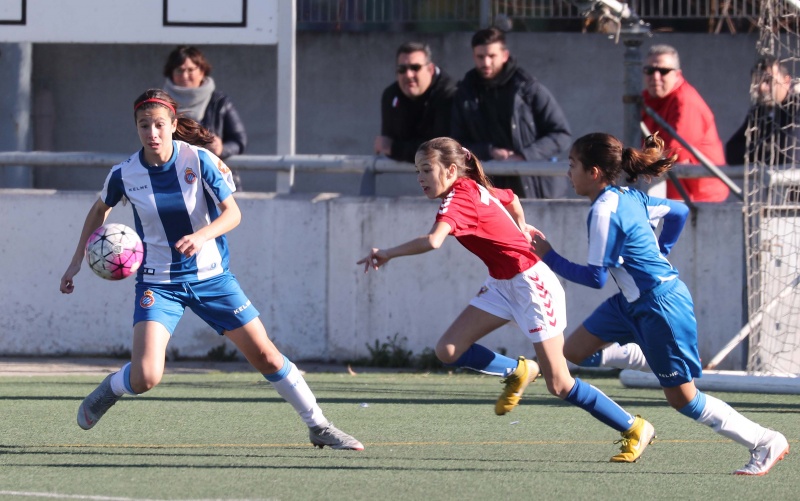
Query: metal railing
x,y
344,14
286,166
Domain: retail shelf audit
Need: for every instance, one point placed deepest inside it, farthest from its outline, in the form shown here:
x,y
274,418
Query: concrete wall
x,y
295,256
83,94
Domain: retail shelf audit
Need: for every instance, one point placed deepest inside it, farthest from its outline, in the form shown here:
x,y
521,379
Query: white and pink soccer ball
x,y
114,251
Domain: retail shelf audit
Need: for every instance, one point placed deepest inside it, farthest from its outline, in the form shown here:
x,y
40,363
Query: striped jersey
x,y
481,223
169,202
621,238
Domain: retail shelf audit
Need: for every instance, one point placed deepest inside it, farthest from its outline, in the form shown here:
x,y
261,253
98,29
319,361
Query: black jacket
x,y
222,119
411,122
516,112
777,124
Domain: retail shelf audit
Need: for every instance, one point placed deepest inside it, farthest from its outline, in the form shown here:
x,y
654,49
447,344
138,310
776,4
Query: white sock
x,y
120,381
294,389
725,420
628,356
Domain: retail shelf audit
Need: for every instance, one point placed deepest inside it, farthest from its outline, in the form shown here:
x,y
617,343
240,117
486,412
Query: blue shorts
x,y
219,301
662,323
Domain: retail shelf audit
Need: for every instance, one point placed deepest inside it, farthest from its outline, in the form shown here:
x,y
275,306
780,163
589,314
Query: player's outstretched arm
x,y
94,219
419,245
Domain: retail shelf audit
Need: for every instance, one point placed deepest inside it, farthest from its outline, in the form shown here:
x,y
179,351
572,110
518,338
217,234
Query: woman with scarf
x,y
189,82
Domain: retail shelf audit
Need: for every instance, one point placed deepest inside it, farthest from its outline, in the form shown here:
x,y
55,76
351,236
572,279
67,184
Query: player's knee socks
x,y
481,359
723,419
627,356
121,381
593,360
596,403
291,385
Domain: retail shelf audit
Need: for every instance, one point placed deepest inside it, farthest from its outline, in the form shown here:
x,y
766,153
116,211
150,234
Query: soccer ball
x,y
114,251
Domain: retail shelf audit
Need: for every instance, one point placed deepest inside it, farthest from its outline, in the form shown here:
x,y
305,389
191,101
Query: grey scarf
x,y
192,102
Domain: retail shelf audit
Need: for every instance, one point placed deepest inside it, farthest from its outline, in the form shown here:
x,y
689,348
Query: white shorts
x,y
534,299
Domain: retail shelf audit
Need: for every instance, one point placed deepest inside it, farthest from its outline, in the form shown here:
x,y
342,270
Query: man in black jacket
x,y
772,120
500,112
416,107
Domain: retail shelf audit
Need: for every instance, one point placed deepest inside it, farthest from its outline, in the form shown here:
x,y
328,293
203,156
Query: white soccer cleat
x,y
96,404
773,448
333,437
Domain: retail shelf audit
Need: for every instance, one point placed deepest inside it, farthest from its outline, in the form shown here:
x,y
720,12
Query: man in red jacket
x,y
681,106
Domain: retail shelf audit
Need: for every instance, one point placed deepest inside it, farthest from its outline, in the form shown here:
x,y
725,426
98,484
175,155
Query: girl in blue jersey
x,y
182,202
653,308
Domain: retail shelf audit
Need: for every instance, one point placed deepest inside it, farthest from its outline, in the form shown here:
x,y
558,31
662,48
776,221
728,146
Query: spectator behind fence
x,y
773,118
500,112
682,107
417,106
189,82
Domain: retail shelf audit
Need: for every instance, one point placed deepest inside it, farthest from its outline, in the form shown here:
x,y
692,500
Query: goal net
x,y
772,195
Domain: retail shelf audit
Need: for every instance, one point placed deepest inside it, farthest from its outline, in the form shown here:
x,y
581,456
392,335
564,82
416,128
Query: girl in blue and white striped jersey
x,y
182,202
654,308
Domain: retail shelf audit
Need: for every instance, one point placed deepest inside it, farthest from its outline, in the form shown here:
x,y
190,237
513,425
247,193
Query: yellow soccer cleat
x,y
634,441
526,372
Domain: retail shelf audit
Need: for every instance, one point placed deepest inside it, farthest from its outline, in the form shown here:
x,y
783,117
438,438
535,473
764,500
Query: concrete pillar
x,y
16,66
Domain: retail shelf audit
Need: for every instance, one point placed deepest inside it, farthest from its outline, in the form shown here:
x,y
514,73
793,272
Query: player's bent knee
x,y
445,352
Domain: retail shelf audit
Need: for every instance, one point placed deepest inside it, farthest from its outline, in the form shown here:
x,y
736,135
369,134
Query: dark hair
x,y
409,47
608,154
187,129
767,62
487,36
446,151
180,54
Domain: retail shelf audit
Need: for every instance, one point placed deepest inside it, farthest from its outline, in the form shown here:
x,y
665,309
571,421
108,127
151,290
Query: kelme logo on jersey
x,y
189,176
222,167
148,299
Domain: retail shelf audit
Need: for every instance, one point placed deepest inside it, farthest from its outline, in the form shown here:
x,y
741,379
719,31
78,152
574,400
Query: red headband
x,y
154,100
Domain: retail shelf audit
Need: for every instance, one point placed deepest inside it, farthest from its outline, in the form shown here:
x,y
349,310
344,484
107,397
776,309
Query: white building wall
x,y
296,259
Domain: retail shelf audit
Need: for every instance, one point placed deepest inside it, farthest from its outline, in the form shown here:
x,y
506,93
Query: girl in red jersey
x,y
490,223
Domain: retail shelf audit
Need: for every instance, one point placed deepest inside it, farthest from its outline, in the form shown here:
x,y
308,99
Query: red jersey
x,y
686,111
480,222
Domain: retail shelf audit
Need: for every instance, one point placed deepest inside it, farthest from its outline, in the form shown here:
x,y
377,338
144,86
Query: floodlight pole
x,y
632,33
287,97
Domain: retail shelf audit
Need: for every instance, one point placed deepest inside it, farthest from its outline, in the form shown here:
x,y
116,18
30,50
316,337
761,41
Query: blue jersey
x,y
169,202
622,241
621,238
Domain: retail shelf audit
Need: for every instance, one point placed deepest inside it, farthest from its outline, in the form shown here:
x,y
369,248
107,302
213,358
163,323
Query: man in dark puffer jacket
x,y
500,112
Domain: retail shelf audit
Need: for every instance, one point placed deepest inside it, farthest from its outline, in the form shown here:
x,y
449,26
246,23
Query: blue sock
x,y
596,403
481,359
593,360
126,378
694,408
282,372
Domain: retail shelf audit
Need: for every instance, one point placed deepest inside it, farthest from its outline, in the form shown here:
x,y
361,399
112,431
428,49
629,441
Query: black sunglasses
x,y
650,70
402,68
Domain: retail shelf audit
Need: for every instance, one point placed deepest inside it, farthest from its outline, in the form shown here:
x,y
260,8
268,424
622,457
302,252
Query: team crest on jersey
x,y
446,202
148,299
189,176
222,167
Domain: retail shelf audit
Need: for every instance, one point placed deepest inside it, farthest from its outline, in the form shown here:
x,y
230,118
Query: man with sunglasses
x,y
773,117
416,107
682,107
501,112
